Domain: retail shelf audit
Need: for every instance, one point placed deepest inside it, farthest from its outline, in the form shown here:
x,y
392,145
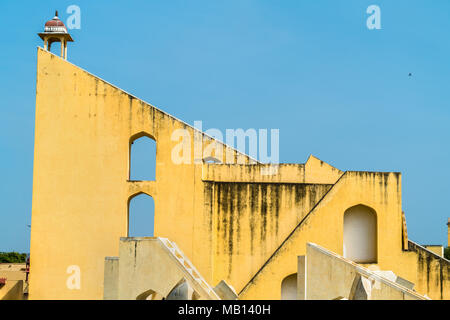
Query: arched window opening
x,y
55,47
289,287
141,216
142,158
360,234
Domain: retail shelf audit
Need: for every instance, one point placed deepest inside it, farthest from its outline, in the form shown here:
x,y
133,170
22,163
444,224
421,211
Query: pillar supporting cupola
x,y
56,31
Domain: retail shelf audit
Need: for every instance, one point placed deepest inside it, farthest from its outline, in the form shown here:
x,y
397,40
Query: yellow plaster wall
x,y
249,233
12,290
251,220
314,171
13,271
437,249
324,226
80,180
433,272
150,263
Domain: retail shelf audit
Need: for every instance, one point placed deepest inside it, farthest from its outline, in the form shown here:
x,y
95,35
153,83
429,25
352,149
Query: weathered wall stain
x,y
433,271
267,211
229,219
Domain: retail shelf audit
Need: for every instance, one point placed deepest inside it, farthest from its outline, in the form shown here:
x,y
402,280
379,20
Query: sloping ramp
x,y
188,268
152,266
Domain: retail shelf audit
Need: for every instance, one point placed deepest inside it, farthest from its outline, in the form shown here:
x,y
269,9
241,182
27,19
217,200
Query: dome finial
x,y
56,13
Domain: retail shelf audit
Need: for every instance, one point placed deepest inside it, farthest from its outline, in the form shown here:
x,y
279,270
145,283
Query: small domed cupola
x,y
55,25
56,31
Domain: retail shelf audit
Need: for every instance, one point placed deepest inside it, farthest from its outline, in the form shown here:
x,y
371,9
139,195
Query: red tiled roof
x,y
55,25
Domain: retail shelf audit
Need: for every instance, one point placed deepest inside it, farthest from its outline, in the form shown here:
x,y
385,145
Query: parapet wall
x,y
313,171
433,272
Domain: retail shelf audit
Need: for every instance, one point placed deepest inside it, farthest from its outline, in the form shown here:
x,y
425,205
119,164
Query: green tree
x,y
12,257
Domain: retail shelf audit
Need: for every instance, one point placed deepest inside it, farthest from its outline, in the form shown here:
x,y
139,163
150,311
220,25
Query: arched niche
x,y
360,234
289,287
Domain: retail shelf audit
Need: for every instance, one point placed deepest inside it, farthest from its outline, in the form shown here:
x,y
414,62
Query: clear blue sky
x,y
310,68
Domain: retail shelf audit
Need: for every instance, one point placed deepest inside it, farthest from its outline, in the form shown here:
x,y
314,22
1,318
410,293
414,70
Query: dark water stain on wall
x,y
254,205
241,207
300,192
276,200
263,212
208,196
431,267
231,221
263,202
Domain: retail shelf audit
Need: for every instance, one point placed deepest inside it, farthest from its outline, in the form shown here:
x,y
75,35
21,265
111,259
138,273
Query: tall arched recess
x,y
360,234
141,216
289,287
142,157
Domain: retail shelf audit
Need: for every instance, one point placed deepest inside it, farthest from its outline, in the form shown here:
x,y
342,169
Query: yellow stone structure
x,y
437,249
13,281
237,220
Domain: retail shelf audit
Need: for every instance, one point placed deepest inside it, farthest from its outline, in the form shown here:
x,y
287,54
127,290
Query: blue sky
x,y
309,68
